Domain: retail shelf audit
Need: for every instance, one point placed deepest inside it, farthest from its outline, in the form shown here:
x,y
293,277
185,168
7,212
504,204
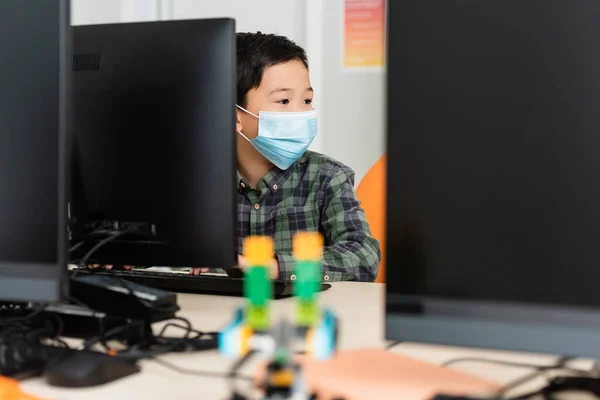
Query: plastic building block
x,y
308,246
234,340
308,279
259,250
307,313
258,290
308,250
11,390
321,339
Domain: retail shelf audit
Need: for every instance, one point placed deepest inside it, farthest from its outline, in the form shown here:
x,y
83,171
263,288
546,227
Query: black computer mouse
x,y
88,368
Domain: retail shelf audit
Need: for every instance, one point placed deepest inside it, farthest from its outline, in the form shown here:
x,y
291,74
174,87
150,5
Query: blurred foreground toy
x,y
251,330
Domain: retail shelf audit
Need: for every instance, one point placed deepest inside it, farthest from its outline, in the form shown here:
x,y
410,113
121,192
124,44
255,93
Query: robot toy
x,y
251,328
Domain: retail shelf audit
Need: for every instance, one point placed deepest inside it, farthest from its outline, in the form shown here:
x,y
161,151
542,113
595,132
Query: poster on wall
x,y
364,34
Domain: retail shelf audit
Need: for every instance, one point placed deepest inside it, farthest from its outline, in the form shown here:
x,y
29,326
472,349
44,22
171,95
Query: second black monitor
x,y
154,148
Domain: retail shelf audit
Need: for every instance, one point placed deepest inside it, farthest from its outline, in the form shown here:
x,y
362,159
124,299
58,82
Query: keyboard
x,y
200,284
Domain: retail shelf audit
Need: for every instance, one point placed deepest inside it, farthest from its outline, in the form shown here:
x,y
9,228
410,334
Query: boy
x,y
282,187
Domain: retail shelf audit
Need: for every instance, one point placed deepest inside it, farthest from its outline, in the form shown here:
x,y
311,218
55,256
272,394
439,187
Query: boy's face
x,y
284,88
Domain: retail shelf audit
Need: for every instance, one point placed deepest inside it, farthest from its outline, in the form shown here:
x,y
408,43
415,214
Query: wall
x,y
285,17
350,104
86,12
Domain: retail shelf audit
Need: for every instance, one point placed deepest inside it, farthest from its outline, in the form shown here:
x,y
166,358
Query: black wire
x,y
157,345
210,374
102,328
188,329
233,373
35,313
559,365
83,262
539,370
514,364
76,246
104,336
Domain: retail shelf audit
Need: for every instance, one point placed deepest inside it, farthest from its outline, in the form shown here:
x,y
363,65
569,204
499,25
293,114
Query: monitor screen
x,y
154,143
493,197
33,93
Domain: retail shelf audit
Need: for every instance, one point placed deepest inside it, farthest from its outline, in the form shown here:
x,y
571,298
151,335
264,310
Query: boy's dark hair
x,y
258,51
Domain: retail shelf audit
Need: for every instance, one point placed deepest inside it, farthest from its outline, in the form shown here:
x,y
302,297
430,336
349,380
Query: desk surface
x,y
360,307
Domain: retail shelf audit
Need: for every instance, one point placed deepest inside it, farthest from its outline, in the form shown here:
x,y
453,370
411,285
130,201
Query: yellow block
x,y
308,246
284,378
259,250
245,339
309,340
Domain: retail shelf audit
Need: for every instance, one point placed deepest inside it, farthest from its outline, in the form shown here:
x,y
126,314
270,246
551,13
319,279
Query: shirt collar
x,y
274,179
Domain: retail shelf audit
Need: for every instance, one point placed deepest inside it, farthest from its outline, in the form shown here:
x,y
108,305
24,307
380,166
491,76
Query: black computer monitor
x,y
154,143
34,46
494,174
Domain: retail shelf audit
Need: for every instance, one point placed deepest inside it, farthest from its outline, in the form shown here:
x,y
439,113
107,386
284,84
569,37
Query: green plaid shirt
x,y
315,194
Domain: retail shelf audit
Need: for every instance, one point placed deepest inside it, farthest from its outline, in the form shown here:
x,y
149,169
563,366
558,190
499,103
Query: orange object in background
x,y
11,390
372,194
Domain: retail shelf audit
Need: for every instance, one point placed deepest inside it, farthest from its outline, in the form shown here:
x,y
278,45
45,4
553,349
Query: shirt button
x,y
293,277
256,206
242,185
326,278
275,187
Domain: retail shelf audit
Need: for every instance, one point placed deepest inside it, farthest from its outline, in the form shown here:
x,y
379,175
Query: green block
x,y
257,286
282,356
257,317
308,279
307,313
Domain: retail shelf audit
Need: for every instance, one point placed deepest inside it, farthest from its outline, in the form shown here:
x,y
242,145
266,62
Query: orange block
x,y
259,250
11,390
308,246
372,194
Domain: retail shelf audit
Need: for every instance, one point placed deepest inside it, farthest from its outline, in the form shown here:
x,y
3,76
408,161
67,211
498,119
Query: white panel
x,y
314,49
285,17
139,10
353,103
88,12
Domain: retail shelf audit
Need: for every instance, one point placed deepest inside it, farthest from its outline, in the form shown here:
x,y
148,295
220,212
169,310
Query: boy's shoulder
x,y
317,164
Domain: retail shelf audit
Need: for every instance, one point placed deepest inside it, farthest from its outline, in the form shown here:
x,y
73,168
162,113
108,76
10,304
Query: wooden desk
x,y
360,307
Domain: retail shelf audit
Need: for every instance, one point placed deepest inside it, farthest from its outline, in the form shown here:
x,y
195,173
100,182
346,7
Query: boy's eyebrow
x,y
310,89
280,90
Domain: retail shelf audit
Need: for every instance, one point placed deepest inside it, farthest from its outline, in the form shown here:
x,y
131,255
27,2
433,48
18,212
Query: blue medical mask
x,y
283,137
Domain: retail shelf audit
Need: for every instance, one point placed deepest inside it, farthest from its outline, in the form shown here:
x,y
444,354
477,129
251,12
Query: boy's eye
x,y
308,101
284,101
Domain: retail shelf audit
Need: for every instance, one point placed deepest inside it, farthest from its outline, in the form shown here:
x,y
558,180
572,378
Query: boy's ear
x,y
238,121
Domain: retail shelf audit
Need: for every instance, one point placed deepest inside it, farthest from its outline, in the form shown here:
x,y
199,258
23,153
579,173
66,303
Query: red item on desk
x,y
379,374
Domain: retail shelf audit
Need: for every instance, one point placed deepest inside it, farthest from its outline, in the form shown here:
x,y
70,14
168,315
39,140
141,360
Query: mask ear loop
x,y
246,111
244,136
